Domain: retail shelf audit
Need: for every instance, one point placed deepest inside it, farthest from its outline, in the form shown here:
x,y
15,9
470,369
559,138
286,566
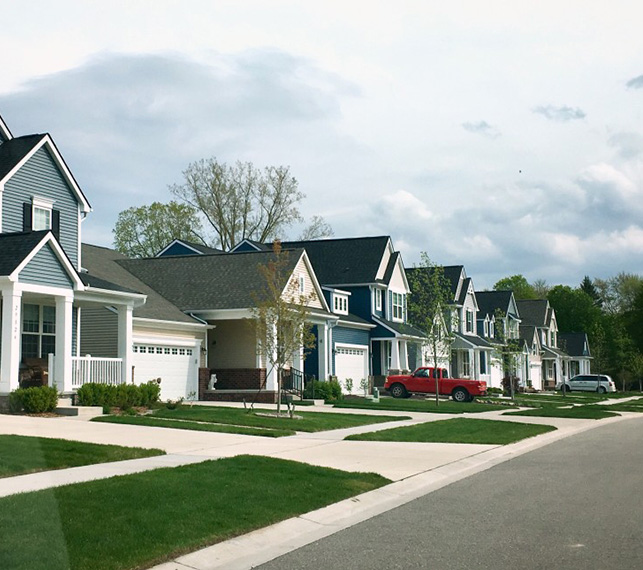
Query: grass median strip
x,y
20,455
194,426
139,520
589,412
305,421
458,430
428,405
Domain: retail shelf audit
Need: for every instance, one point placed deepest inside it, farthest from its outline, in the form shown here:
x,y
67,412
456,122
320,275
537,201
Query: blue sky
x,y
505,136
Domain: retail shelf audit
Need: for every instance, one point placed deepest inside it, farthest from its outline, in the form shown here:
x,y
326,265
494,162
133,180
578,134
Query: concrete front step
x,y
80,412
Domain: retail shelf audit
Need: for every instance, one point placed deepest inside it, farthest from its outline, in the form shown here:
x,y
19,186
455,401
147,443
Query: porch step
x,y
80,412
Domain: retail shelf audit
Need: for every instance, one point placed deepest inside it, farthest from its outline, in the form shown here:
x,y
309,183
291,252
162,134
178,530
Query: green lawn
x,y
413,405
309,421
631,406
590,412
21,454
143,519
191,425
458,430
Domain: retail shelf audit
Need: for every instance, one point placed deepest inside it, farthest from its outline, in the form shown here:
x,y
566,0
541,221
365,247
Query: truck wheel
x,y
460,395
398,391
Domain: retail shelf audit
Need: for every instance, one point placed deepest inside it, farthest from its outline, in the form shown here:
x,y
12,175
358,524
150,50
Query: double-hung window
x,y
38,331
398,306
41,214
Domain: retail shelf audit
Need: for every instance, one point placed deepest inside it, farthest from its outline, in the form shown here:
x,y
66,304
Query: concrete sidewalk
x,y
415,468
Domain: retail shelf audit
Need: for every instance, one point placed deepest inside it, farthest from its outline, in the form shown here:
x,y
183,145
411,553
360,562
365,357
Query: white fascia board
x,y
48,238
315,282
44,290
403,272
47,141
347,345
5,130
161,324
351,324
110,297
222,314
175,241
244,240
335,290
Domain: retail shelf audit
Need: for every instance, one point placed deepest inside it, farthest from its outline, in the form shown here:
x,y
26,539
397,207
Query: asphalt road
x,y
574,504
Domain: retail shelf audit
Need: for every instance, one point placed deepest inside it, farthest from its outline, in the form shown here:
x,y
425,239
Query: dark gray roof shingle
x,y
344,261
490,301
533,311
104,272
14,247
207,282
14,150
574,344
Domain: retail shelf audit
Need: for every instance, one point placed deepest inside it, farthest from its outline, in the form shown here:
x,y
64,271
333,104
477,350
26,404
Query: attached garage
x,y
177,364
351,361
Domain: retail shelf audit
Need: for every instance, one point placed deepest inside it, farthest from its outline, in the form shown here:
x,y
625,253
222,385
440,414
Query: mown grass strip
x,y
192,425
136,521
458,430
20,455
413,405
589,412
307,421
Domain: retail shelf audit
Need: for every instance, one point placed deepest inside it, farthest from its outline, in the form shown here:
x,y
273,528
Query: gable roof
x,y
14,150
15,247
529,333
206,282
490,301
452,274
534,311
5,133
18,150
249,244
574,344
103,272
197,248
345,261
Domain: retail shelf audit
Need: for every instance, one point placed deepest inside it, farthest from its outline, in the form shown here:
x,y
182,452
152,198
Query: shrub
x,y
491,391
506,385
124,396
330,391
35,400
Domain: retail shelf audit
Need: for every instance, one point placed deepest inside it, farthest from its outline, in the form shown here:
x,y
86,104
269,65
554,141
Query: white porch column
x,y
125,340
323,350
62,373
404,355
10,355
395,354
272,382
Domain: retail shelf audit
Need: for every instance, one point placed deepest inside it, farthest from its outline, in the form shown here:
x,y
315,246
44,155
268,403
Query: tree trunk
x,y
278,390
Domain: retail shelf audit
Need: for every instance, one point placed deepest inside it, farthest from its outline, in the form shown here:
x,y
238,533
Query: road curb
x,y
261,546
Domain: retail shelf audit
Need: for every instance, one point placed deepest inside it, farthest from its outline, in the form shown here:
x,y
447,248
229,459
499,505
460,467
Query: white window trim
x,y
399,306
378,299
43,204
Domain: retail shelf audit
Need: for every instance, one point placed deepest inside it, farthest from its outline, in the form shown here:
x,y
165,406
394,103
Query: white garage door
x,y
351,362
175,365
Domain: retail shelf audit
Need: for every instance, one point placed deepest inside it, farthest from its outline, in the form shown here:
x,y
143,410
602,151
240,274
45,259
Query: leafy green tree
x,y
146,230
575,310
429,300
587,286
618,293
519,285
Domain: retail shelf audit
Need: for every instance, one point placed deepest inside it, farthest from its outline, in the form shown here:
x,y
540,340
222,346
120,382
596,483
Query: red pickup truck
x,y
423,381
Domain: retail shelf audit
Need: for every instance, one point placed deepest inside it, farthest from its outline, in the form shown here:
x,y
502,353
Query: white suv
x,y
589,383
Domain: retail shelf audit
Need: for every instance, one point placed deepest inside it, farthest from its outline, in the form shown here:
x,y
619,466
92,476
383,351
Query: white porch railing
x,y
100,370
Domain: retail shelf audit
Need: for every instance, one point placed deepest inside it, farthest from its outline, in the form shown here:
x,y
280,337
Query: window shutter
x,y
26,217
390,305
55,223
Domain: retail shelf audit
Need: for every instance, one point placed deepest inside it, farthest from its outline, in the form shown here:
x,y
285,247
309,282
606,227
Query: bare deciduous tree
x,y
241,201
280,318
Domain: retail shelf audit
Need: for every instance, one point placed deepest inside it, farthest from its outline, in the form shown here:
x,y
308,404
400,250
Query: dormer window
x,y
340,304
